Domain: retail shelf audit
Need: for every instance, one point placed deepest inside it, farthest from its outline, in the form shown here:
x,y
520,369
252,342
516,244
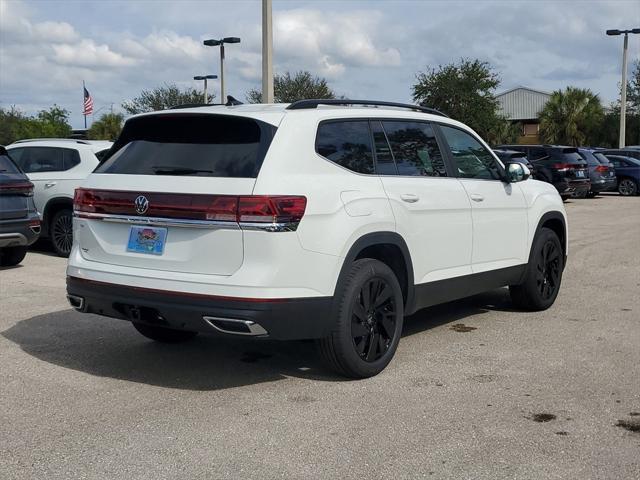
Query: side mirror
x,y
517,172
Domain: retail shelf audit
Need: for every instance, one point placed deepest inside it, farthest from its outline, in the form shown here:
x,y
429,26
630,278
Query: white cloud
x,y
87,54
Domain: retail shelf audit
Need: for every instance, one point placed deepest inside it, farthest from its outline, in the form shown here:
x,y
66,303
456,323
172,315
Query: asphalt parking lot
x,y
514,395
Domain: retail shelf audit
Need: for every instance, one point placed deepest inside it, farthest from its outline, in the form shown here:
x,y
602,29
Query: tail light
x,y
264,212
561,167
17,188
602,169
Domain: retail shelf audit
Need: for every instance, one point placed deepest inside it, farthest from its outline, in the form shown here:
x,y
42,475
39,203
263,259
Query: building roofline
x,y
521,87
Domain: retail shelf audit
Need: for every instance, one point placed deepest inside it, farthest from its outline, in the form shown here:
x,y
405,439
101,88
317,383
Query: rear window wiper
x,y
178,171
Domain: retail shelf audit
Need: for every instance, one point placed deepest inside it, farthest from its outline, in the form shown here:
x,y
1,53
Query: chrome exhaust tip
x,y
235,326
76,302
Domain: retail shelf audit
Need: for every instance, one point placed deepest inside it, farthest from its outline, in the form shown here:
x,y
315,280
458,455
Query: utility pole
x,y
267,52
623,93
623,105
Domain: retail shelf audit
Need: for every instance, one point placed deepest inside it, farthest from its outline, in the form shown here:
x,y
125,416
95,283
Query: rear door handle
x,y
409,197
476,198
50,184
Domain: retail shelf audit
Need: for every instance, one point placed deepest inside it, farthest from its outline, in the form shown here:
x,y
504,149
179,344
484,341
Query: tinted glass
x,y
473,160
71,158
7,166
589,157
40,159
566,156
415,148
347,143
101,154
384,159
601,158
190,145
537,154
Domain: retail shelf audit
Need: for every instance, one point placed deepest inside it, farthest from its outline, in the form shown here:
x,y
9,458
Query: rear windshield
x,y
7,165
191,145
601,158
569,155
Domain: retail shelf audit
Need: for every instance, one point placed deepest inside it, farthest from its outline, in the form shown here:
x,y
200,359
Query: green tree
x,y
107,127
464,91
300,86
571,117
16,125
633,90
161,98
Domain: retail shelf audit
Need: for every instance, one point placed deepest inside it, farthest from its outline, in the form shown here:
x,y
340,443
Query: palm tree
x,y
570,117
107,127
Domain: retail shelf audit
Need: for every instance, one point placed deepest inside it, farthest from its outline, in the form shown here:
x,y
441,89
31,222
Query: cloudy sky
x,y
366,49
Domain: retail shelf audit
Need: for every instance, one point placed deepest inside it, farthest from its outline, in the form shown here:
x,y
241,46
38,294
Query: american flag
x,y
88,103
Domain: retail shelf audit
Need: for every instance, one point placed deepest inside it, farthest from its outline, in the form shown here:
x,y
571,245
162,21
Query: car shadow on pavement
x,y
112,348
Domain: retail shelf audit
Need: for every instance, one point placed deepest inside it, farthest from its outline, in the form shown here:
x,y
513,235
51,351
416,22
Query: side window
x,y
472,159
71,158
384,159
17,155
347,143
42,159
415,148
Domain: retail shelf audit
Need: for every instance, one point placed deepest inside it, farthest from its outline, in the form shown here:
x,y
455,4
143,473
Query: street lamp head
x,y
199,77
212,43
614,32
635,30
231,40
211,77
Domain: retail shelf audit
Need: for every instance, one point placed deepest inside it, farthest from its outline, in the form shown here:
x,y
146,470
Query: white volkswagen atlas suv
x,y
323,219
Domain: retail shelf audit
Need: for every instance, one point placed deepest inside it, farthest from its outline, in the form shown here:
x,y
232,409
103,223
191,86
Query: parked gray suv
x,y
19,220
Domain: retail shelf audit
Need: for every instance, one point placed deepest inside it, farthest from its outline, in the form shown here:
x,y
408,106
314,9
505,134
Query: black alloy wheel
x,y
373,321
61,232
548,268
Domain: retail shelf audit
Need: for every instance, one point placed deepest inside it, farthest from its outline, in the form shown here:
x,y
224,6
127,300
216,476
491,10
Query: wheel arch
x,y
54,205
555,221
389,248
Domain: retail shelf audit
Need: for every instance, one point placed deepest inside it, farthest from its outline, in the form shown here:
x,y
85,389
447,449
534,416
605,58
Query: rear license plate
x,y
579,173
147,240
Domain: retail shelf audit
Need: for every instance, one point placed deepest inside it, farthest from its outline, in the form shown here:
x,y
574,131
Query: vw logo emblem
x,y
142,205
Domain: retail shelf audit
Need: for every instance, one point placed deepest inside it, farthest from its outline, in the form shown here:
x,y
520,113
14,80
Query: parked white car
x,y
326,220
56,167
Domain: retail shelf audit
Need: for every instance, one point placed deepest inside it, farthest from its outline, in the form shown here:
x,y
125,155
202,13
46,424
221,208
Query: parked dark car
x,y
628,174
625,152
602,173
559,165
510,156
19,220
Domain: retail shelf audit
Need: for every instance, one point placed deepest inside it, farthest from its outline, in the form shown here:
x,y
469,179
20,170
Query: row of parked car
x,y
579,172
38,178
37,182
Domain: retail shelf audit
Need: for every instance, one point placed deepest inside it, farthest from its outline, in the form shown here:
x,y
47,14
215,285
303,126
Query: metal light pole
x,y
220,43
623,95
267,52
205,78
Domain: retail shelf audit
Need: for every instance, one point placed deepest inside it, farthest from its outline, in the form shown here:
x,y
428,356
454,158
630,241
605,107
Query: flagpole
x,y
84,114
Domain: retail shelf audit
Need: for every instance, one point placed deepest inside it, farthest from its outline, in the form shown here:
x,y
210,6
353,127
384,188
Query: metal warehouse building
x,y
522,105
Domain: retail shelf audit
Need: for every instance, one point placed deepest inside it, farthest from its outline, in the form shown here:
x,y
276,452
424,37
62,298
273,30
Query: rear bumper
x,y
17,233
567,188
280,319
604,184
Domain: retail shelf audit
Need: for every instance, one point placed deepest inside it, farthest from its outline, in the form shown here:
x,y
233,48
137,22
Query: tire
x,y
366,336
163,335
61,232
542,280
592,194
627,187
12,256
580,194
